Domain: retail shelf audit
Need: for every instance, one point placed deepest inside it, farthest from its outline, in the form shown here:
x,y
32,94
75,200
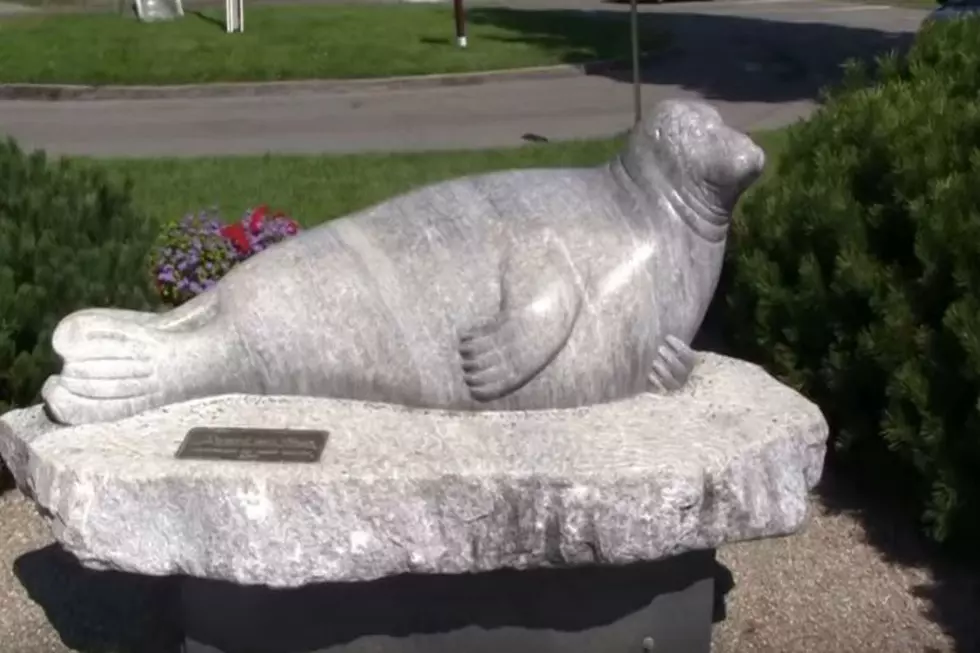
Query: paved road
x,y
760,61
10,8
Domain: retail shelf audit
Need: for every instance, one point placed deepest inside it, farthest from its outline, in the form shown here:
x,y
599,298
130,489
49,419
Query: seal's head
x,y
688,147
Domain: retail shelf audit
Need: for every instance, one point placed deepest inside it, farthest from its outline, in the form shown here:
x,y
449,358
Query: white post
x,y
234,16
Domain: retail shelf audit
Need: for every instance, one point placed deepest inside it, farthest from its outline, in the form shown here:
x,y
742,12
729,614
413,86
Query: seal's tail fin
x,y
114,359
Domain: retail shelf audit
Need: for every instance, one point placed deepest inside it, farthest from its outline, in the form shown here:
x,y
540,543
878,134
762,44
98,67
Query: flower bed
x,y
195,252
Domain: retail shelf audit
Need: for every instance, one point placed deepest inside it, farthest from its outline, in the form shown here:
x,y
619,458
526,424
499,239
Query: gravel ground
x,y
845,584
854,581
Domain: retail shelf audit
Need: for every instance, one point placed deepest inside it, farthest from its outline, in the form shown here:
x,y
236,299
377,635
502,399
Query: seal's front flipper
x,y
116,362
672,366
541,298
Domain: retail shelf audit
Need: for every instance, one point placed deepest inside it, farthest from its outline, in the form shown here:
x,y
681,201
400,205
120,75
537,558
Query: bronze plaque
x,y
253,445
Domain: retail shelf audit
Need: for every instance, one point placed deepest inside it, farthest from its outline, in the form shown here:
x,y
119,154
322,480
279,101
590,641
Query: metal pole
x,y
460,16
234,16
635,43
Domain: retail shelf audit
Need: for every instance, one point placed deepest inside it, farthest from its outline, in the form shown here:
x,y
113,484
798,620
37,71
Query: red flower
x,y
256,219
236,234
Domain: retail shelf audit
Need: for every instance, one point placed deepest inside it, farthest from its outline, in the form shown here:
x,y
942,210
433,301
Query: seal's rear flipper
x,y
113,360
541,297
672,366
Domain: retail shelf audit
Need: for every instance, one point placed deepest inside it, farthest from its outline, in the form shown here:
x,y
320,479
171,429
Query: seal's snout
x,y
736,164
749,162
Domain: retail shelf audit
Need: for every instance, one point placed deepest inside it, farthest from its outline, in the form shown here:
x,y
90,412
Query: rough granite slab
x,y
731,457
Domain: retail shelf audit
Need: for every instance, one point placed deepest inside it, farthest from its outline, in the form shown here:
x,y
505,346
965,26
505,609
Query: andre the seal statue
x,y
530,289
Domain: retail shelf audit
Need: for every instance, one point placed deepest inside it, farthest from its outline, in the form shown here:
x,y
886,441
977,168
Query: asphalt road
x,y
9,8
760,61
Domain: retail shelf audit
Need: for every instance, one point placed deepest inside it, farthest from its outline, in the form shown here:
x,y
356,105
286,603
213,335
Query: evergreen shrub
x,y
853,273
70,238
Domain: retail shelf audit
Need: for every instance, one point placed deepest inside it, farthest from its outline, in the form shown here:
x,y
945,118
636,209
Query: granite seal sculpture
x,y
522,290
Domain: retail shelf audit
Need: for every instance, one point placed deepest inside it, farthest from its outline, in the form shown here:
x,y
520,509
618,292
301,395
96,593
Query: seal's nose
x,y
743,162
751,157
750,161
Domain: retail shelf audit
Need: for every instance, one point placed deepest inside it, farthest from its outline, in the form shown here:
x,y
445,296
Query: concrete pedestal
x,y
653,607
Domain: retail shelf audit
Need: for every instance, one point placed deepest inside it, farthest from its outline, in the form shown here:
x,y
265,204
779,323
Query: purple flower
x,y
189,257
193,253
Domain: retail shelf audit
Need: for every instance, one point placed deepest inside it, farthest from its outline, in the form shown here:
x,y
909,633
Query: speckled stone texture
x,y
514,290
729,457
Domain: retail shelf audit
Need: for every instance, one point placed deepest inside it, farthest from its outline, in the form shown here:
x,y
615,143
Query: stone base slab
x,y
730,457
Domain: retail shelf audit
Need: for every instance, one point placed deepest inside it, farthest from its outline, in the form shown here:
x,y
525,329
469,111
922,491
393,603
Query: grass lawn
x,y
300,42
317,188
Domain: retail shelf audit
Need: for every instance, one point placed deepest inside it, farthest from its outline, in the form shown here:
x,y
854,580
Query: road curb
x,y
55,92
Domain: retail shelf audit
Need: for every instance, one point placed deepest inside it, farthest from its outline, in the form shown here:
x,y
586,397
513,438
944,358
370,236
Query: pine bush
x,y
854,272
69,238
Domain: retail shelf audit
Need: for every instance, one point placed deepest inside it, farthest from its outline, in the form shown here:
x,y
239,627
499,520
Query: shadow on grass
x,y
721,57
888,524
428,40
207,19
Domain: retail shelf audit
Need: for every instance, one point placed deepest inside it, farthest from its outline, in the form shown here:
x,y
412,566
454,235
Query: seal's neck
x,y
688,200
